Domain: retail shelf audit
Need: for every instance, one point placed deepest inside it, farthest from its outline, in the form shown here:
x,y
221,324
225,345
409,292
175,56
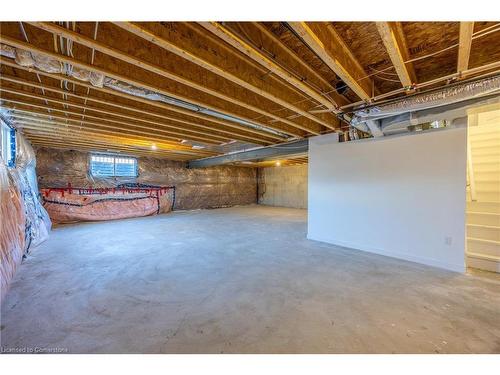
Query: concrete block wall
x,y
284,186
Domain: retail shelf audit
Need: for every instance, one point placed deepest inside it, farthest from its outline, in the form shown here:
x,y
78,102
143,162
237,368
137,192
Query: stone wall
x,y
195,188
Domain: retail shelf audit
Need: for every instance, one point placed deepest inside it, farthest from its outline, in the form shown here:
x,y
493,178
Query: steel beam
x,y
283,149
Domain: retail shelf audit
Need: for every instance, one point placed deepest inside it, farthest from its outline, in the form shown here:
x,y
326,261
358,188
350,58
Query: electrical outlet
x,y
448,240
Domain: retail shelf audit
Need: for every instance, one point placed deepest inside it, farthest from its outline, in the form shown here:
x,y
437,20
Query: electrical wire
x,y
489,30
479,34
37,75
387,79
383,72
486,29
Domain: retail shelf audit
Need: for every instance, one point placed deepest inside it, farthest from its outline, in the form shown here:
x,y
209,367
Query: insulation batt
x,y
12,242
24,222
24,175
70,207
221,186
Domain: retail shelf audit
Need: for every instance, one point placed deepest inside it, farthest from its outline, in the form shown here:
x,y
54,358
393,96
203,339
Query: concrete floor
x,y
238,280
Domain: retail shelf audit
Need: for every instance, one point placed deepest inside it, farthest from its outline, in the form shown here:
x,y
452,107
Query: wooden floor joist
x,y
65,143
34,123
29,47
388,33
171,109
465,43
127,58
193,89
207,130
301,69
18,113
229,37
58,125
134,120
147,35
120,124
328,45
76,139
90,136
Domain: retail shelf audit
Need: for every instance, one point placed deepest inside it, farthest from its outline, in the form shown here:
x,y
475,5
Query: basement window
x,y
8,144
112,166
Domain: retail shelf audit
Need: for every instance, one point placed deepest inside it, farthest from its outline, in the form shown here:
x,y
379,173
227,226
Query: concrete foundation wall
x,y
283,186
195,188
401,196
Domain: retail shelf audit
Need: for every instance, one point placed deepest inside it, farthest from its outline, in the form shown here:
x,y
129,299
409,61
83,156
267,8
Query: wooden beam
x,y
212,137
21,113
86,137
389,35
92,139
464,45
56,125
405,52
332,50
92,130
179,51
149,129
163,106
83,136
303,69
53,138
232,39
134,109
79,64
70,144
91,43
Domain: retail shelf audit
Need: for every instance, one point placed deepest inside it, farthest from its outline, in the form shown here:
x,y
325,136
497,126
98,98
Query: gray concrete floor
x,y
238,280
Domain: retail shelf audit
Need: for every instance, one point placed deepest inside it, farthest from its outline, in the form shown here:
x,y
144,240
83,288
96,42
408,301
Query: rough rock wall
x,y
195,188
283,186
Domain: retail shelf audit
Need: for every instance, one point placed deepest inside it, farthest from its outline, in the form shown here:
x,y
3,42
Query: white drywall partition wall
x,y
400,196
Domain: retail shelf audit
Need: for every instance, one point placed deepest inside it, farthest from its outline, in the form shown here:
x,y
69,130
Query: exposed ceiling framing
x,y
397,50
328,45
465,43
256,83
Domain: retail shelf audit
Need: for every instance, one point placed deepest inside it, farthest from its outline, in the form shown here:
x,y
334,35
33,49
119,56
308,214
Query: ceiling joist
x,y
51,140
91,136
152,124
127,58
175,135
79,64
232,39
207,130
332,50
464,45
242,83
395,48
92,129
279,52
199,117
171,47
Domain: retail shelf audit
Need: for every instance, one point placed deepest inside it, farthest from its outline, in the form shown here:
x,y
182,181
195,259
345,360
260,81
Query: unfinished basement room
x,y
283,187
